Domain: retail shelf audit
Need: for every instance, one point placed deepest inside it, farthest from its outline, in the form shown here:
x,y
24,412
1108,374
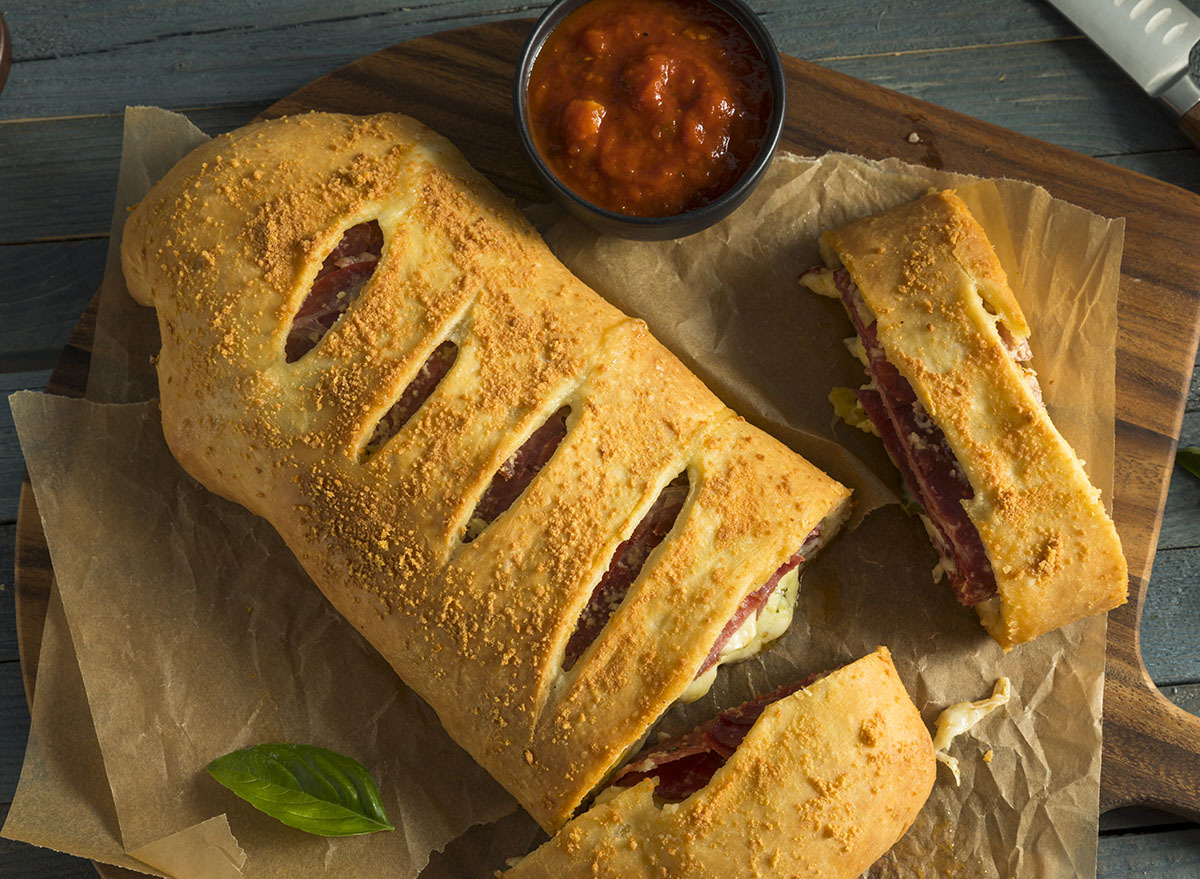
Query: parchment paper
x,y
727,301
63,800
196,632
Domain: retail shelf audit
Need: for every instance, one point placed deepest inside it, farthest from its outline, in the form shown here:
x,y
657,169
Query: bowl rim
x,y
746,17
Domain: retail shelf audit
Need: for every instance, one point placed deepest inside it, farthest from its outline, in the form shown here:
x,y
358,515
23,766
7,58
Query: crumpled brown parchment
x,y
194,632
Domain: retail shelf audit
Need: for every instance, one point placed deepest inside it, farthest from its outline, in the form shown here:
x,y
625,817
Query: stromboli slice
x,y
826,780
226,248
938,320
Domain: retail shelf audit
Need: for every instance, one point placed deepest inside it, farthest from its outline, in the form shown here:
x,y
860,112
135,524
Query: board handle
x,y
1151,746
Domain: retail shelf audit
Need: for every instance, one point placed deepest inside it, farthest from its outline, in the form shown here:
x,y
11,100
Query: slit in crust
x,y
433,370
686,763
627,562
763,616
766,613
517,472
341,278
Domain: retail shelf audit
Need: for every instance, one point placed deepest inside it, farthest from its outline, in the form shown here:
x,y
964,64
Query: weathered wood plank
x,y
61,28
200,68
20,861
67,27
1064,91
71,164
1181,167
48,286
1140,818
1181,518
8,614
1170,855
1067,93
14,728
59,178
1171,619
832,28
1193,405
12,465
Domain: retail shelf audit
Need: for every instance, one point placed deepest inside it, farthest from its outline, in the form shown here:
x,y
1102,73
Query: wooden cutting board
x,y
459,83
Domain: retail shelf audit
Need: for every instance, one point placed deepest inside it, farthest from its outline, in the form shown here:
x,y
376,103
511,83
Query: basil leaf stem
x,y
312,789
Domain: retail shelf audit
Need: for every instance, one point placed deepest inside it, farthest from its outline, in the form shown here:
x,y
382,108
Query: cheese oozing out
x,y
758,630
821,282
769,623
962,716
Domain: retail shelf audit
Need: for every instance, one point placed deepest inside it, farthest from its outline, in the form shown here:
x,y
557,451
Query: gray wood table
x,y
1015,63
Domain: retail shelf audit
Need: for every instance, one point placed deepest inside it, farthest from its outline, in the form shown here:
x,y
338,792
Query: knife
x,y
1157,42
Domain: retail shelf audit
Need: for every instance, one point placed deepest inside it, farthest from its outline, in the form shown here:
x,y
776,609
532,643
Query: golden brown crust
x,y
226,248
825,782
928,273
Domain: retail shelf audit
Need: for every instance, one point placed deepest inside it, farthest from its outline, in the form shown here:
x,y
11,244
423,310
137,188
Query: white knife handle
x,y
1149,39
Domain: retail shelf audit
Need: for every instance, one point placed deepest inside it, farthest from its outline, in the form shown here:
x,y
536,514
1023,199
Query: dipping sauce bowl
x,y
650,119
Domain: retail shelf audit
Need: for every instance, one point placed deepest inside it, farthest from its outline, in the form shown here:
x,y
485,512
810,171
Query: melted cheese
x,y
846,407
474,528
821,282
758,630
960,717
609,793
856,347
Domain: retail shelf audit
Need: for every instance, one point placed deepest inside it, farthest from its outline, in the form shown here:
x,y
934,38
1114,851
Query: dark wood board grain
x,y
458,83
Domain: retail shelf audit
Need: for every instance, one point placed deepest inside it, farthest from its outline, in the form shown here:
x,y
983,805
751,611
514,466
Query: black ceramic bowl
x,y
652,228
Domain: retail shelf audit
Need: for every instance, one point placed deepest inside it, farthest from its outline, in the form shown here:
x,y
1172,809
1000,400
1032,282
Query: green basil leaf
x,y
312,789
1189,459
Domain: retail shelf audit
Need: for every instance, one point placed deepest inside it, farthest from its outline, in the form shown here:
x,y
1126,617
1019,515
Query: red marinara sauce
x,y
649,107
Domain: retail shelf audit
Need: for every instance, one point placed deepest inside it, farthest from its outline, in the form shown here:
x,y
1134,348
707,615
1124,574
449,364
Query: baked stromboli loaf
x,y
1022,532
826,780
315,277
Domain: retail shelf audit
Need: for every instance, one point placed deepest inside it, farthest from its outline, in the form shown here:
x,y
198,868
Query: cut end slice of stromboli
x,y
1021,532
366,343
816,779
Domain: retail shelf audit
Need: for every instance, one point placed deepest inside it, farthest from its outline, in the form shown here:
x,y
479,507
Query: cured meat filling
x,y
433,370
756,601
517,472
918,448
341,278
685,764
737,640
627,562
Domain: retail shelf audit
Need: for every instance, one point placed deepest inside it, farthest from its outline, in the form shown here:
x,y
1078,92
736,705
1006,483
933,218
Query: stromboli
x,y
824,781
1019,527
226,248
